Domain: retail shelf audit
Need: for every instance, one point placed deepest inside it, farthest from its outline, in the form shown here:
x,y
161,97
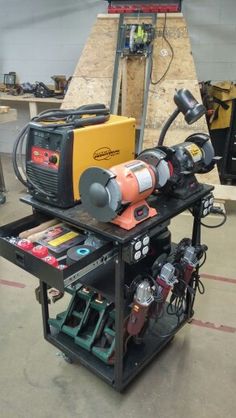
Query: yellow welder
x,y
61,144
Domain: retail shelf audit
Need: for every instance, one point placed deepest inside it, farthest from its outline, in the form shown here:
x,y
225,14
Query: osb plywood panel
x,y
135,68
97,59
92,80
86,90
182,66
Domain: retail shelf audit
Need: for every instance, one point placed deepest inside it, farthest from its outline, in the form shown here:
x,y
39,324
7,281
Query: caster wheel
x,y
2,199
67,359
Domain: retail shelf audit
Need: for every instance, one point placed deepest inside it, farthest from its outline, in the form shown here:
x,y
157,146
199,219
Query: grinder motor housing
x,y
118,195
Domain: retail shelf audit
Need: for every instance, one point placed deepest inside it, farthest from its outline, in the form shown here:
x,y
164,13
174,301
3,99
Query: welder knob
x,y
98,195
53,159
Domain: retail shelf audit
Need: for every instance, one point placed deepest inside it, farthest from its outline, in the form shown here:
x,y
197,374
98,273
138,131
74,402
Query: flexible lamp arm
x,y
186,104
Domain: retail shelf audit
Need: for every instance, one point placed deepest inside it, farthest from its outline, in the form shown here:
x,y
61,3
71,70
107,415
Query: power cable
x,y
154,83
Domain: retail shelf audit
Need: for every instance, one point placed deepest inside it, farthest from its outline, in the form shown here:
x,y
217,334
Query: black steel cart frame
x,y
119,375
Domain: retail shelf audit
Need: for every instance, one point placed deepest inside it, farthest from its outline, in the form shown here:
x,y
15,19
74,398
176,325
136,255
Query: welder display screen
x,y
47,140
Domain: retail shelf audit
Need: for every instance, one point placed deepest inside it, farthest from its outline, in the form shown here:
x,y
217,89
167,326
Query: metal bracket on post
x,y
119,319
117,75
2,185
114,100
148,70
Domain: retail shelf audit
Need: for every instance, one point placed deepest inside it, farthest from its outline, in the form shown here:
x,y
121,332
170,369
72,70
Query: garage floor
x,y
194,377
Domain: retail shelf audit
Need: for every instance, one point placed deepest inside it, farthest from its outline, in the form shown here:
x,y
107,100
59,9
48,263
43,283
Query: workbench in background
x,y
7,116
31,100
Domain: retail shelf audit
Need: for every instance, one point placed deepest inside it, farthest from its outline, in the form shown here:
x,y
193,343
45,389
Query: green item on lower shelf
x,y
71,320
58,321
92,328
105,348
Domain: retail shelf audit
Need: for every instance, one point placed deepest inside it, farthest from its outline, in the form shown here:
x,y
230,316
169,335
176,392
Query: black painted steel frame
x,y
119,382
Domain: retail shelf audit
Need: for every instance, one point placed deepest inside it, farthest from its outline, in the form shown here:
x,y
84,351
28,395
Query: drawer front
x,y
232,164
233,147
53,276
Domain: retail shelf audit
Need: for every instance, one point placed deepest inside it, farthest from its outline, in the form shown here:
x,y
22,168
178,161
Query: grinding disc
x,y
208,152
156,159
75,254
100,193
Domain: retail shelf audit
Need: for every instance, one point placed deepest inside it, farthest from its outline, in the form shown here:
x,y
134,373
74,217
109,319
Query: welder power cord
x,y
204,259
218,211
198,285
156,297
177,313
171,334
178,307
98,113
214,210
154,83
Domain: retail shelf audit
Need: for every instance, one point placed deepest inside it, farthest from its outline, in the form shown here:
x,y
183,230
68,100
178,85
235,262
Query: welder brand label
x,y
105,153
142,175
195,152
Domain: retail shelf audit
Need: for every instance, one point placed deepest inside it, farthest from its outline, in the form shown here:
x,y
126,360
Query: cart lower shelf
x,y
137,357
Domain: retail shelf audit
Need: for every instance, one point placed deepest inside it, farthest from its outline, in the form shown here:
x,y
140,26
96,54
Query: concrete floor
x,y
194,377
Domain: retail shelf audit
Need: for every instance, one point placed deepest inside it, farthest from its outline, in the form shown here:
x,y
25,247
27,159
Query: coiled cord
x,y
218,211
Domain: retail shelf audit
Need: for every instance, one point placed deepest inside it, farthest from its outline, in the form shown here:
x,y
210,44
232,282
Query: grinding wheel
x,y
100,193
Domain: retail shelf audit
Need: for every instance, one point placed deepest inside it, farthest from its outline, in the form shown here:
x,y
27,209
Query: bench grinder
x,y
118,195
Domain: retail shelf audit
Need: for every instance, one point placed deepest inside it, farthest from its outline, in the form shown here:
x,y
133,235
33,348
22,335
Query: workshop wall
x,y
39,39
43,38
212,29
